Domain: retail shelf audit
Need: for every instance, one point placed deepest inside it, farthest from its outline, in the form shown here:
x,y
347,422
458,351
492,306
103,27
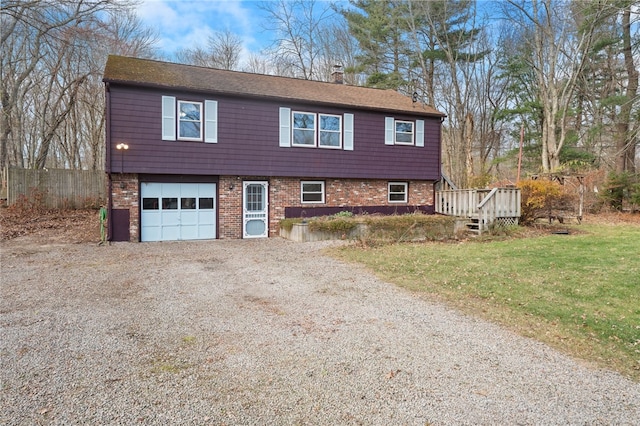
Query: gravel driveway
x,y
265,332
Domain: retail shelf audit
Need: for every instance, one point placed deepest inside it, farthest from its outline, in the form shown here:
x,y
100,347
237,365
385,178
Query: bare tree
x,y
446,39
557,52
53,55
221,51
297,25
626,136
257,64
31,32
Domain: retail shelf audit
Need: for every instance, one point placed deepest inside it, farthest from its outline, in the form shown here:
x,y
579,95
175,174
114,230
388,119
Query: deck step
x,y
473,225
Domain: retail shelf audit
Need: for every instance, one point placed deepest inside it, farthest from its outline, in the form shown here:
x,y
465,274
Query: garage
x,y
177,211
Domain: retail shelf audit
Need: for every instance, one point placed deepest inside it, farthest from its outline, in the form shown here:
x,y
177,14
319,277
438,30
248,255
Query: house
x,y
201,153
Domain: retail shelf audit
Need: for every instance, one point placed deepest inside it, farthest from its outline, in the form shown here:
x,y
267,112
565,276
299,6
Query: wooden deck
x,y
483,208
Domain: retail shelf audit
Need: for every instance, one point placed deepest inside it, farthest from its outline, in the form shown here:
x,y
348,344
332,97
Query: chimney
x,y
337,74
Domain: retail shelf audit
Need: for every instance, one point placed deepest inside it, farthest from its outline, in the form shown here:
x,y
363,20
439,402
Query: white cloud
x,y
183,24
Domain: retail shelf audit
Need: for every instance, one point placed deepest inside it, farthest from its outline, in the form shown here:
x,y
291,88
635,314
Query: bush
x,y
287,224
410,227
540,198
337,223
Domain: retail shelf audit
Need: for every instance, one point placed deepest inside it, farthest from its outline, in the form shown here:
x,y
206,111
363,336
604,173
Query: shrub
x,y
539,198
336,224
410,227
287,224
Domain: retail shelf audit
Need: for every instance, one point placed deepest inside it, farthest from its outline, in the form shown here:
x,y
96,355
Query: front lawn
x,y
579,293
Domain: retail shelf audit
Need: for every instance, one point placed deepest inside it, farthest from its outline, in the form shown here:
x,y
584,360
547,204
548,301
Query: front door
x,y
254,211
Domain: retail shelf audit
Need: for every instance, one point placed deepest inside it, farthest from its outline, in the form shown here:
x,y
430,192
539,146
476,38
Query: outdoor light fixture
x,y
122,147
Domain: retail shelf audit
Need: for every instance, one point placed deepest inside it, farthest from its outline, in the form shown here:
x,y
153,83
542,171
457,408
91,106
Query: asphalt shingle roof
x,y
127,70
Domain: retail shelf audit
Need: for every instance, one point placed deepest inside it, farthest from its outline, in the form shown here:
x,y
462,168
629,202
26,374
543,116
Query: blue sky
x,y
186,23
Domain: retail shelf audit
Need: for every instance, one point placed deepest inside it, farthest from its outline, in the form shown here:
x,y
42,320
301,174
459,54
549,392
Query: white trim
x,y
348,132
389,130
406,192
168,118
312,182
419,132
285,127
183,138
211,121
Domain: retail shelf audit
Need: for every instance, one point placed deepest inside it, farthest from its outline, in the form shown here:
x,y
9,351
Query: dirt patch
x,y
50,226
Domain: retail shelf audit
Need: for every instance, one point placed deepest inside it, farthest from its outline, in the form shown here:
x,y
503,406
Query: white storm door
x,y
255,206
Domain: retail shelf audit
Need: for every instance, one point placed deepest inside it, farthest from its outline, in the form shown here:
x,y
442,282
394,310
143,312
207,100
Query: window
x,y
188,203
404,132
312,191
315,130
398,192
330,131
304,129
206,203
150,204
189,120
169,204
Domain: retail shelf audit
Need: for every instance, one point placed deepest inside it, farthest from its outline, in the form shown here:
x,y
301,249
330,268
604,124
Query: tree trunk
x,y
625,142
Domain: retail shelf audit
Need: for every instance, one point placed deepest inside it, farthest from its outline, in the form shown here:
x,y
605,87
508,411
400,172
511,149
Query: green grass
x,y
579,293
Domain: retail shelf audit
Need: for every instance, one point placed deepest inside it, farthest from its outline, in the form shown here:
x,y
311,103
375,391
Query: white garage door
x,y
177,211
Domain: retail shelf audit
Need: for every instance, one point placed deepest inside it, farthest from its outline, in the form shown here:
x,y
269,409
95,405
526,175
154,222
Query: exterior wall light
x,y
122,147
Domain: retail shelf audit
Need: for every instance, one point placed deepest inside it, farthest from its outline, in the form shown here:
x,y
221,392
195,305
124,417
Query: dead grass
x,y
62,226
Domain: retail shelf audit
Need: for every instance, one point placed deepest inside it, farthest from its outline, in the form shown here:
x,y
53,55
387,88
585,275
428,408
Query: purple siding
x,y
248,135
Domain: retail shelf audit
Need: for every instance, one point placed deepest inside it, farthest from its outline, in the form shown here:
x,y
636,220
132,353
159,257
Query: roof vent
x,y
337,74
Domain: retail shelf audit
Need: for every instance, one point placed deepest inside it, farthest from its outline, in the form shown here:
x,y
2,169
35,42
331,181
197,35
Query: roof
x,y
145,72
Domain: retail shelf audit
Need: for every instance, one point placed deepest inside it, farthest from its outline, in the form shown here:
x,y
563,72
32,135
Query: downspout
x,y
107,145
440,174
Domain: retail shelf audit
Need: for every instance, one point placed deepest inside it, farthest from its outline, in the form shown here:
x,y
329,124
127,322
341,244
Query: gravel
x,y
265,332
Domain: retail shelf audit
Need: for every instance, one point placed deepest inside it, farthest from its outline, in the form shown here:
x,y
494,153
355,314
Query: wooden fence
x,y
57,188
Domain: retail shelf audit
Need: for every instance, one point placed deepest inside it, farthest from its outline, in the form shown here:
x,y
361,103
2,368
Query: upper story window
x,y
190,120
330,131
304,129
315,130
404,132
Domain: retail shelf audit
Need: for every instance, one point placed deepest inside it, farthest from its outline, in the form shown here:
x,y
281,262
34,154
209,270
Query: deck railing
x,y
487,206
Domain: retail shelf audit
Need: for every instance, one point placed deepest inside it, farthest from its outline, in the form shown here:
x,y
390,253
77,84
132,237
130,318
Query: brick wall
x,y
230,207
125,195
283,192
